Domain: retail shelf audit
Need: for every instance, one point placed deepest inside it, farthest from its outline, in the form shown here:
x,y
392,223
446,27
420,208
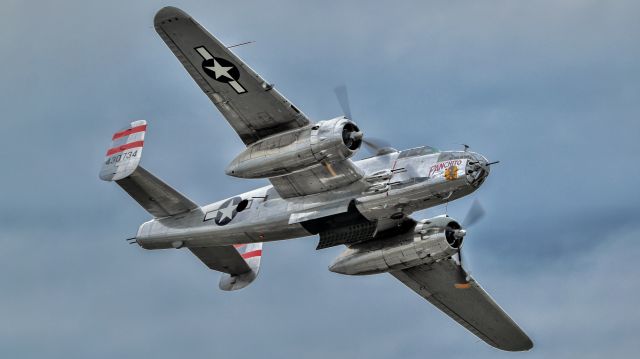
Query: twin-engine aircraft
x,y
315,189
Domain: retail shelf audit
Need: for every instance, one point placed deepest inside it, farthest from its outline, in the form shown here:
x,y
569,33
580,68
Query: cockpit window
x,y
418,151
446,156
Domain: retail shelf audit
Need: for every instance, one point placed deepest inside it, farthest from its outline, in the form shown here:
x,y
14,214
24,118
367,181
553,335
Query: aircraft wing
x,y
472,307
316,179
251,106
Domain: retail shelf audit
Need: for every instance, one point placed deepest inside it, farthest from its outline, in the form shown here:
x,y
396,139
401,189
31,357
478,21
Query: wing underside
x,y
472,307
316,179
251,105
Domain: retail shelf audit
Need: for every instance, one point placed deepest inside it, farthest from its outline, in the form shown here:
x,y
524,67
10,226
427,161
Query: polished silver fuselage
x,y
394,185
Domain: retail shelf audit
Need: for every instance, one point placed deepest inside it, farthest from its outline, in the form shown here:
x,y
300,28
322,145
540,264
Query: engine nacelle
x,y
291,151
431,240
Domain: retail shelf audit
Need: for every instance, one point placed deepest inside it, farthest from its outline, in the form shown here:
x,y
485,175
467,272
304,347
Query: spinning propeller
x,y
375,145
475,213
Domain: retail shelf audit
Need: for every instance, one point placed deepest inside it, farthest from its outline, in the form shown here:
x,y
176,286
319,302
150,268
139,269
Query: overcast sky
x,y
549,88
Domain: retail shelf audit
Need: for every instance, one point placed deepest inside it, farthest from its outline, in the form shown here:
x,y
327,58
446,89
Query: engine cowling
x,y
292,151
431,240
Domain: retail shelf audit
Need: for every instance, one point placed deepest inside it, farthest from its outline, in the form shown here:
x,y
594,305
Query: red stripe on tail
x,y
129,131
125,147
256,253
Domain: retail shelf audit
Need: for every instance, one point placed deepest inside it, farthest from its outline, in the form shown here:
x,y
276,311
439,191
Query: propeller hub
x,y
356,136
454,234
351,136
459,233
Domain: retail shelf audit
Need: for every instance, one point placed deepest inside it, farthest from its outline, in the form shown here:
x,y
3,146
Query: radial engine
x,y
429,241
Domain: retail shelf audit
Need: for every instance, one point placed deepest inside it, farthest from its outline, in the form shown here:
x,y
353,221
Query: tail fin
x,y
126,150
122,166
252,254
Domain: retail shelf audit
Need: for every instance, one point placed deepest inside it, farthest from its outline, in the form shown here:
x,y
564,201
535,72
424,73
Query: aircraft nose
x,y
478,169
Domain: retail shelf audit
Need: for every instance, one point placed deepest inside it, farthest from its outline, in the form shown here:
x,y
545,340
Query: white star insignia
x,y
220,70
227,212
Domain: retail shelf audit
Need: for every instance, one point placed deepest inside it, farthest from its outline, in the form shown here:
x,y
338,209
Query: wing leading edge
x,y
472,307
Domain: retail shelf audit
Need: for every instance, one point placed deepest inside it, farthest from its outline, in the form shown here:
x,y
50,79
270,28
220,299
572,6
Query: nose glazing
x,y
478,169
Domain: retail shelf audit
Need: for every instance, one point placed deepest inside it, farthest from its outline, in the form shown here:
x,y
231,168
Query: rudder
x,y
252,254
124,155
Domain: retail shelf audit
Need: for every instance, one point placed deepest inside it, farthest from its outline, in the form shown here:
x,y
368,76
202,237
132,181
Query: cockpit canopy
x,y
418,151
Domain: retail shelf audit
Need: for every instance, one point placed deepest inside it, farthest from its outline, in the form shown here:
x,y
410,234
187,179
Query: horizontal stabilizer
x,y
224,259
157,197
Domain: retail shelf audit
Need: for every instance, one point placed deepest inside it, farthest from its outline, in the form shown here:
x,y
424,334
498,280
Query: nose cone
x,y
231,169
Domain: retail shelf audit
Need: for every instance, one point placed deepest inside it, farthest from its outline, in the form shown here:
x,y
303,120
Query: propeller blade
x,y
475,213
343,98
461,282
378,146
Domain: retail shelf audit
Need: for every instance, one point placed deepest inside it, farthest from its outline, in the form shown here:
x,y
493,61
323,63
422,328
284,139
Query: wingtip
x,y
169,13
528,345
525,345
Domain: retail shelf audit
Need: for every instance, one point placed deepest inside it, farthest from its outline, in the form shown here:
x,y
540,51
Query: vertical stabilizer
x,y
124,155
252,254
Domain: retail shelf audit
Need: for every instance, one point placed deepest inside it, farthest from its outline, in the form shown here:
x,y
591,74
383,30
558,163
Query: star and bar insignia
x,y
220,69
225,213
